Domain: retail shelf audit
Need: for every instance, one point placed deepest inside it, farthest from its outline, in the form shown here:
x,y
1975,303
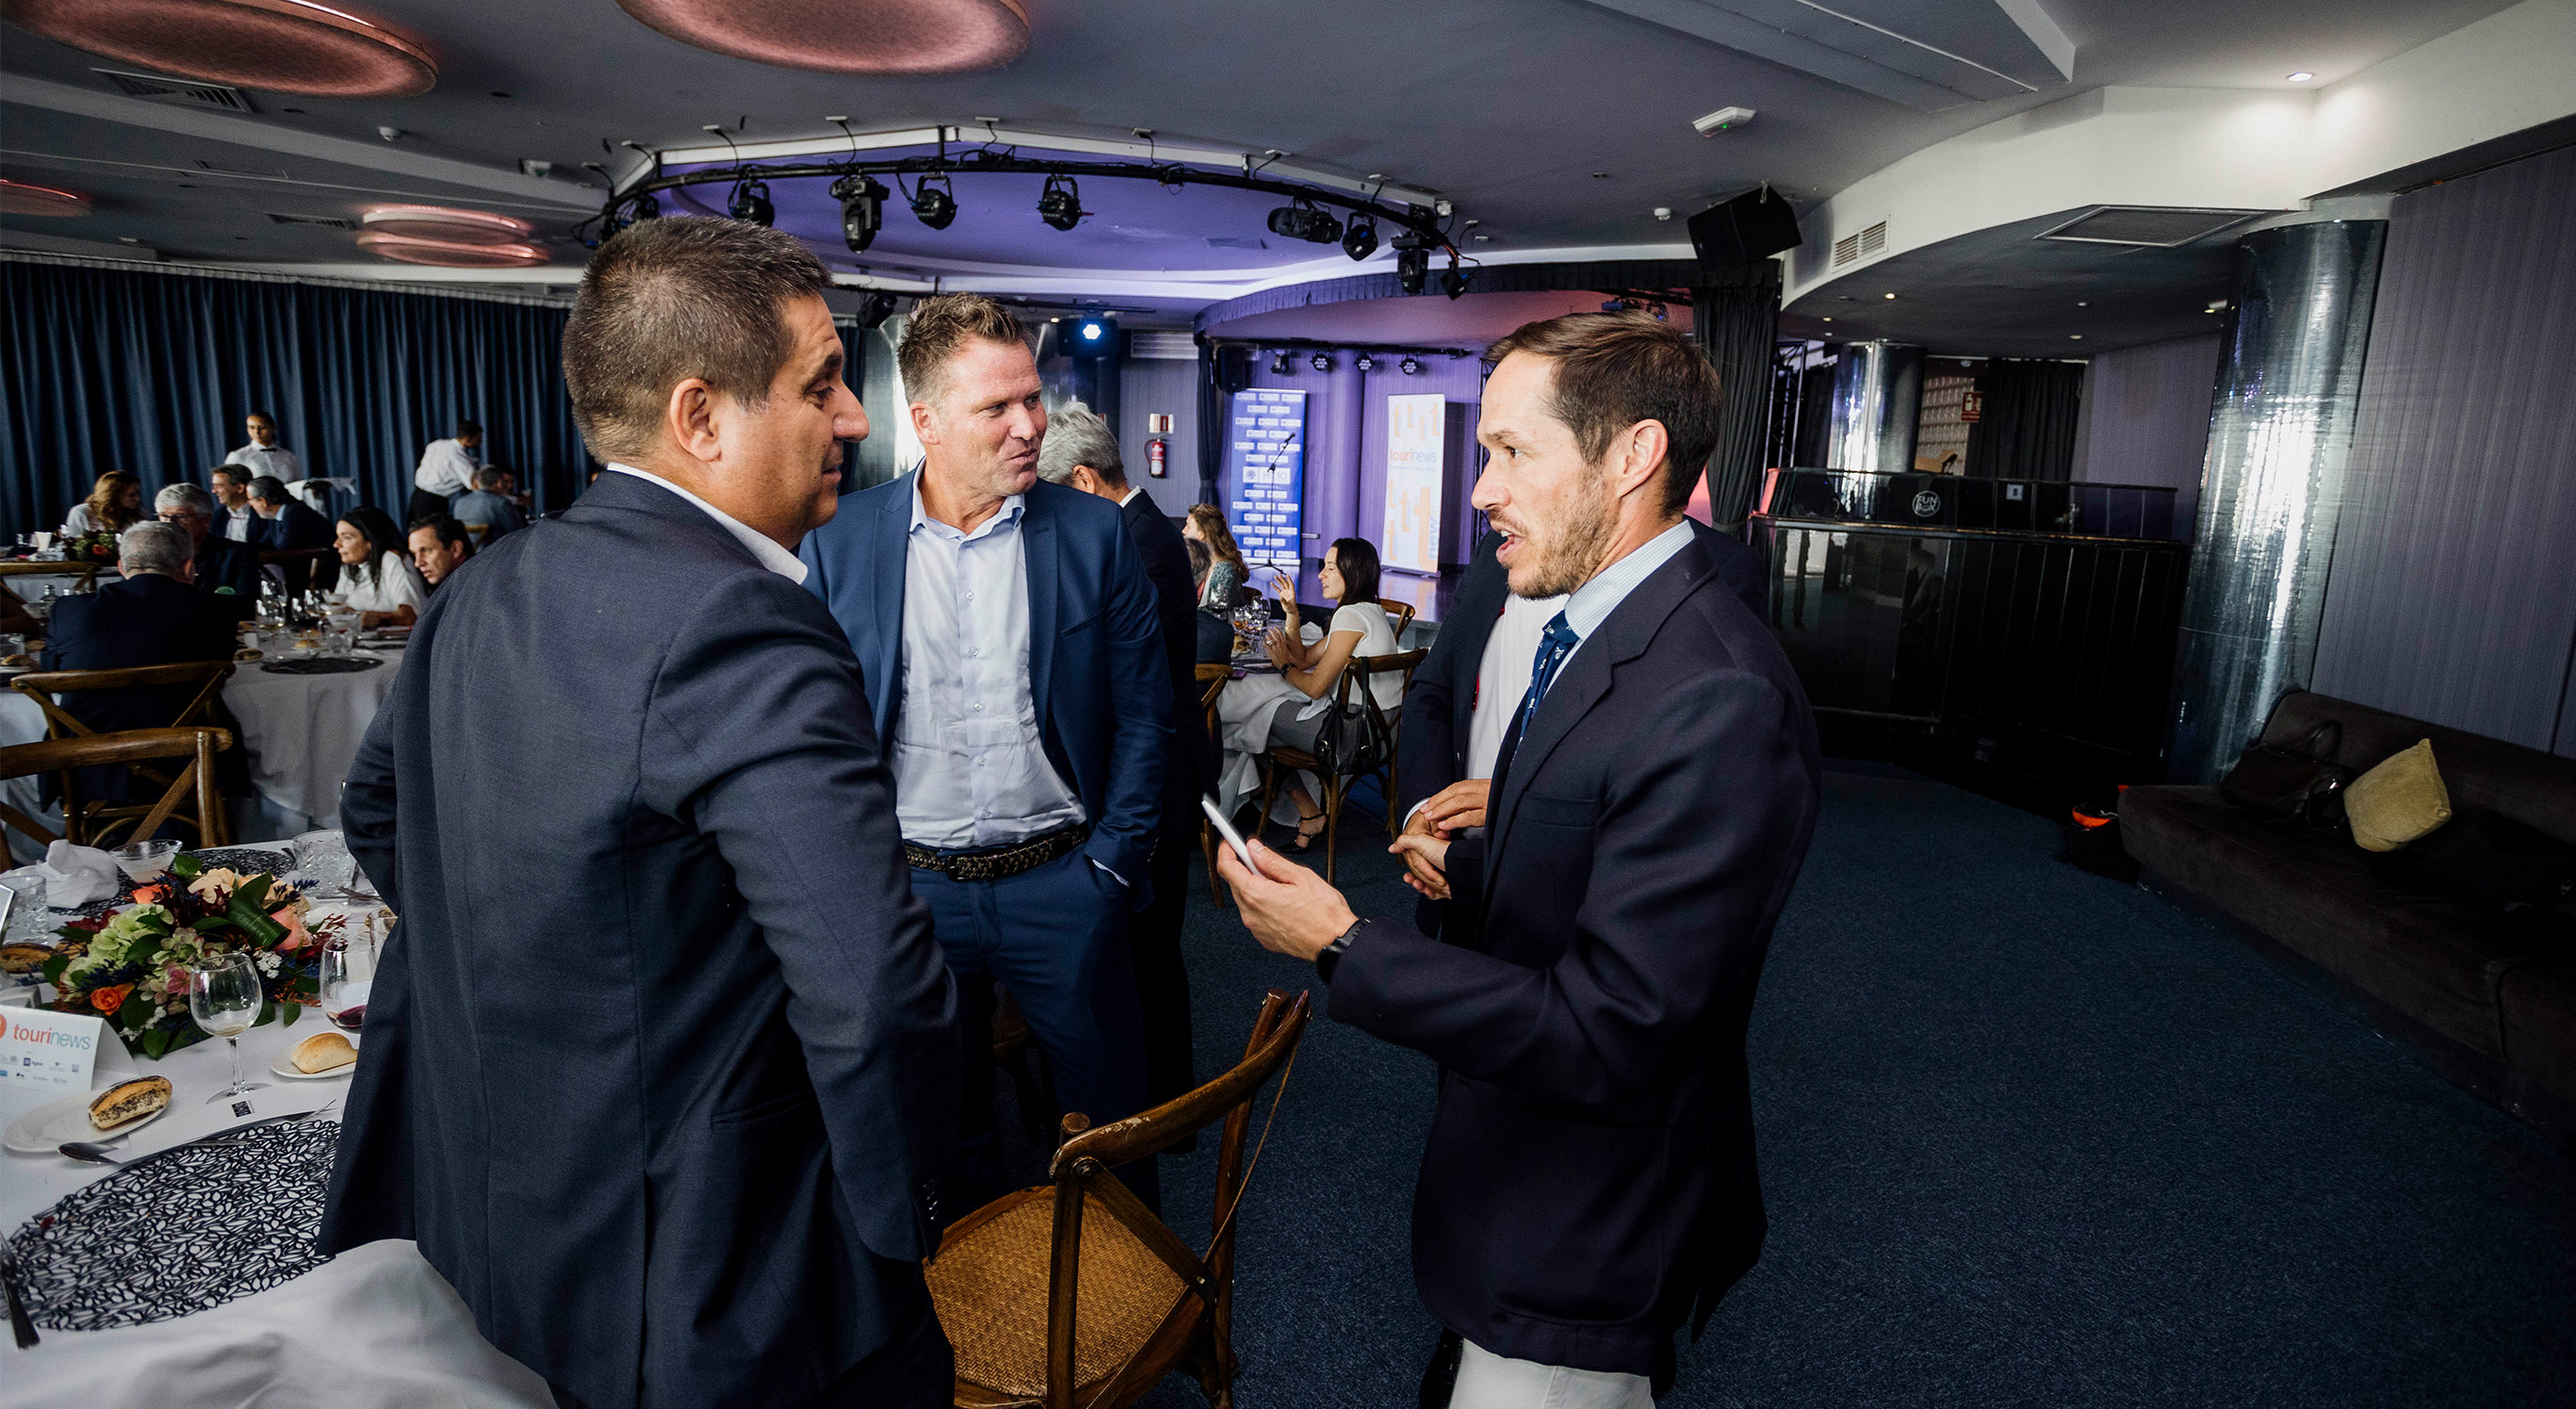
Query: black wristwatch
x,y
1332,953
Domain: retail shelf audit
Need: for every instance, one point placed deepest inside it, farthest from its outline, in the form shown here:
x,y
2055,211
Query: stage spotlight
x,y
862,210
1412,265
1279,365
1060,205
1093,335
878,308
1304,221
1453,283
643,208
1321,362
1361,240
751,202
1412,367
1365,362
936,205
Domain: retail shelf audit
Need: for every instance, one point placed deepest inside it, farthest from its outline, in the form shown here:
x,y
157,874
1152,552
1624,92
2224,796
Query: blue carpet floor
x,y
2029,1137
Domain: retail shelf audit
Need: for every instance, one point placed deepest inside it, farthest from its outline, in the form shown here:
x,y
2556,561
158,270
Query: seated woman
x,y
114,505
376,575
1311,671
1215,642
1226,576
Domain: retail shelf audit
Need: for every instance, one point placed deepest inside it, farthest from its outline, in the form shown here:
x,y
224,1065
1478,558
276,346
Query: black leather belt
x,y
999,863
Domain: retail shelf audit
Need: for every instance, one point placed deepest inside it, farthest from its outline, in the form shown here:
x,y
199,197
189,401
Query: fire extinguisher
x,y
1154,464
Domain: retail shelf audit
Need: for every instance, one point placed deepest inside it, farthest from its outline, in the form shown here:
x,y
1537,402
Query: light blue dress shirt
x,y
1593,602
970,766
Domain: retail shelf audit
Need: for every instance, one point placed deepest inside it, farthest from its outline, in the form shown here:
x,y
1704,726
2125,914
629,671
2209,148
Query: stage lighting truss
x,y
1415,231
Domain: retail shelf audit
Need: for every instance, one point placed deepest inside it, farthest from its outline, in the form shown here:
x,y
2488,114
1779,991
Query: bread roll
x,y
23,958
130,1101
321,1052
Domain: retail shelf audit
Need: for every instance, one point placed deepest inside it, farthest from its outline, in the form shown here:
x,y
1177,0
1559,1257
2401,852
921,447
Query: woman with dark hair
x,y
376,575
114,505
1310,672
1227,574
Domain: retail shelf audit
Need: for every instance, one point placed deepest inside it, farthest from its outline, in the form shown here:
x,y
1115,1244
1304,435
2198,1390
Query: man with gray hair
x,y
151,616
486,505
1080,452
223,568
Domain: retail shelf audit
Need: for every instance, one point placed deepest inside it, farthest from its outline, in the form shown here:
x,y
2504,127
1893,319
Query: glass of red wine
x,y
348,972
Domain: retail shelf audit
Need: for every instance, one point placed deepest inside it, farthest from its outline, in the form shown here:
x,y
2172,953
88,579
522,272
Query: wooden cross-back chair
x,y
1398,615
130,749
1351,688
82,819
1073,1295
87,572
1212,680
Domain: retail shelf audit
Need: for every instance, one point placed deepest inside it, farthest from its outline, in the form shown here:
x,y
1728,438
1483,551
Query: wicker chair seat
x,y
989,1284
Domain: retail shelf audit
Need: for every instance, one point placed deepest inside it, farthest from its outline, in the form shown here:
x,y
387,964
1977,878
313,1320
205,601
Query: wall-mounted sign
x,y
1972,405
1265,472
1415,427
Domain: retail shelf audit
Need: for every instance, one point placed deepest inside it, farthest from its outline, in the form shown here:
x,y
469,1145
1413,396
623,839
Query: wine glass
x,y
224,997
348,972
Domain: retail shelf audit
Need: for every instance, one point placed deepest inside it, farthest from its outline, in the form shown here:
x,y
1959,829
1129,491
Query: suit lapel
x,y
1038,542
884,662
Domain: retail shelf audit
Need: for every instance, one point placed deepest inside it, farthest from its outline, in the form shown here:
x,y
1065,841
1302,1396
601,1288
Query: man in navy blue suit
x,y
1589,1183
1007,632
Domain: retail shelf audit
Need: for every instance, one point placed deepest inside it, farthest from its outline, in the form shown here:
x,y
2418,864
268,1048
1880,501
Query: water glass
x,y
144,862
348,972
12,643
323,858
337,639
224,998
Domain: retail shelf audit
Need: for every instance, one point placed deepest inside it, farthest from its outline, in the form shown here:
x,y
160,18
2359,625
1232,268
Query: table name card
x,y
47,1052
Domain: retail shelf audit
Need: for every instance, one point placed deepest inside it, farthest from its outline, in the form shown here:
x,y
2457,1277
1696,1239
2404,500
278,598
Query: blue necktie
x,y
1555,644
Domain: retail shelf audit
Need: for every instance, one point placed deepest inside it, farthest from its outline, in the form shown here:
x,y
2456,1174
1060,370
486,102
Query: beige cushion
x,y
2398,801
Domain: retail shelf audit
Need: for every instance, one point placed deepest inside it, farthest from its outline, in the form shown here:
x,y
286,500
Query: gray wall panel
x,y
2453,594
1165,386
2146,418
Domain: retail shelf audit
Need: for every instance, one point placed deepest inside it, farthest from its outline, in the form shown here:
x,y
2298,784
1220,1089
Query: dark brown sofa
x,y
2489,999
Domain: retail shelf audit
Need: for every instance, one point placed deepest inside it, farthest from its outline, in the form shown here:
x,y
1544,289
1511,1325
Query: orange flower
x,y
149,895
297,936
108,1000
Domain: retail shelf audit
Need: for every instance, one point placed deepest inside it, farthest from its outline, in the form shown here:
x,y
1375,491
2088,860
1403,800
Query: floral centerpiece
x,y
131,966
90,547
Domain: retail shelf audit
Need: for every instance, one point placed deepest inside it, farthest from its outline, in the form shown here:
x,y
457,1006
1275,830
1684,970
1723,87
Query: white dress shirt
x,y
970,767
237,523
394,585
446,468
762,546
269,460
1503,676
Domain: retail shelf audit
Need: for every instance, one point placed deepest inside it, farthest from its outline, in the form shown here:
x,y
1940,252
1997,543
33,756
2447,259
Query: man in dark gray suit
x,y
1589,1185
663,1056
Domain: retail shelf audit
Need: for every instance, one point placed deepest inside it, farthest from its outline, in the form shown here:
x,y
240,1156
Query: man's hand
x,y
1426,862
1290,909
1455,808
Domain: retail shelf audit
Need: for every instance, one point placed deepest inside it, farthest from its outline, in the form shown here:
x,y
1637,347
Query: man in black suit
x,y
151,617
224,569
1080,451
663,1053
291,526
1589,1185
1462,697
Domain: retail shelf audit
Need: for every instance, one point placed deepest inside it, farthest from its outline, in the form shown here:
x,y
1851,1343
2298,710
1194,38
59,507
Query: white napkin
x,y
77,875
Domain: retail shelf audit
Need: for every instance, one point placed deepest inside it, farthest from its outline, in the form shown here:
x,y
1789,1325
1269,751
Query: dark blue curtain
x,y
114,369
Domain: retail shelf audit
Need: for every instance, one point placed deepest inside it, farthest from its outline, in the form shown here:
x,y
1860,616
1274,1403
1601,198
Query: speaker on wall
x,y
1755,225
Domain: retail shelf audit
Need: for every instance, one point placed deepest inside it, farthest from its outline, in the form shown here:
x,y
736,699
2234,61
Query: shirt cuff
x,y
1409,812
1121,880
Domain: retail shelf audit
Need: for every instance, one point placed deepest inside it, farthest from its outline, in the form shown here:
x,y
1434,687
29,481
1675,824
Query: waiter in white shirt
x,y
264,456
446,470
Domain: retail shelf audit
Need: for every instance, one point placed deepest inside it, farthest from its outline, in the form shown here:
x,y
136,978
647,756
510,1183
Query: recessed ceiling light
x,y
283,46
2079,337
2082,304
828,36
1829,320
1891,295
2301,76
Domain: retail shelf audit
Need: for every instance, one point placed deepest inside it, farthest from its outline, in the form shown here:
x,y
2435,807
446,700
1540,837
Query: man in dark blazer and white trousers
x,y
1589,1183
1007,633
661,1057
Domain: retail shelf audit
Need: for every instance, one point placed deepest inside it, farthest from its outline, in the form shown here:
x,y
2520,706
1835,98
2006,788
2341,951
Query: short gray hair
x,y
155,546
489,477
1076,435
184,496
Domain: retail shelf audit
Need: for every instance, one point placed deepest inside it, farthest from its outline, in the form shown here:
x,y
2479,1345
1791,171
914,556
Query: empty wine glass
x,y
348,972
224,998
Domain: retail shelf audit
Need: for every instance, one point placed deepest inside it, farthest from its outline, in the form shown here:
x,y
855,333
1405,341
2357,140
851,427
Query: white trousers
x,y
1490,1381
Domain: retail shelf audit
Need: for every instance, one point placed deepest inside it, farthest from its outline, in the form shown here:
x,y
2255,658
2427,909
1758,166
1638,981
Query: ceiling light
x,y
936,205
2301,76
22,198
878,308
862,201
1723,120
283,46
2079,337
1889,295
1360,241
883,36
1412,266
448,223
1094,335
448,254
1364,362
1279,365
1452,282
1412,367
1302,220
751,202
1321,362
1060,205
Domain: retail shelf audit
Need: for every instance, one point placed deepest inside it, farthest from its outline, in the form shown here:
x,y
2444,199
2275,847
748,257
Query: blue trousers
x,y
1057,938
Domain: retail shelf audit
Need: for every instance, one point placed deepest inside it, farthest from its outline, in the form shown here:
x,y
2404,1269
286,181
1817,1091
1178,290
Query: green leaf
x,y
253,921
292,1010
267,1013
186,867
254,892
53,969
156,1041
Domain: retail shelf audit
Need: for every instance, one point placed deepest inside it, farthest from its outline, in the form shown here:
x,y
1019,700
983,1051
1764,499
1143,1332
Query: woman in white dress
x,y
1311,671
376,575
114,505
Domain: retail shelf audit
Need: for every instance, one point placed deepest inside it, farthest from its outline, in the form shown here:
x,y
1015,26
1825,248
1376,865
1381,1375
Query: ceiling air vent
x,y
184,92
327,222
1169,347
1860,245
2146,226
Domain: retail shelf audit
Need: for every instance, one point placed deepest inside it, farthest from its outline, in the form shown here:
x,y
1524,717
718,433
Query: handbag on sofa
x,y
2303,783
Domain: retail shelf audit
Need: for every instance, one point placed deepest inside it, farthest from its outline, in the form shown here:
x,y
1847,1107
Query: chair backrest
x,y
1402,663
1083,1163
41,686
87,572
66,756
1212,680
477,532
1398,615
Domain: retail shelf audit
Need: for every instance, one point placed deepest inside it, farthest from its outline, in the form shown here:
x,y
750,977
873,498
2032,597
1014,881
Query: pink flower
x,y
297,936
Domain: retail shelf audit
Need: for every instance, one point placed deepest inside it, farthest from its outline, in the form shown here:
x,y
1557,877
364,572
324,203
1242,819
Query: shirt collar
x,y
1006,517
1593,602
762,546
1130,495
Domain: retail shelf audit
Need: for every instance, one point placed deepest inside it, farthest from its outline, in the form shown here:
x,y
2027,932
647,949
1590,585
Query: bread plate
x,y
48,1128
284,1065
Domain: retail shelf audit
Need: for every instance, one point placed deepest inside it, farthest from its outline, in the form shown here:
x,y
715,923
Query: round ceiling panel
x,y
20,198
448,254
446,224
283,46
837,36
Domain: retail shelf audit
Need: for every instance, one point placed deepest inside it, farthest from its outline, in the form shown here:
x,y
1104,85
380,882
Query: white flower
x,y
212,886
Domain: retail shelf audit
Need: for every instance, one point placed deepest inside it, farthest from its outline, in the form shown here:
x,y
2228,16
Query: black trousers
x,y
1162,980
423,505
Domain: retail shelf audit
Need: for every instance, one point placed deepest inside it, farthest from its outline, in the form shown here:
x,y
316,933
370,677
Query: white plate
x,y
47,1128
283,1064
